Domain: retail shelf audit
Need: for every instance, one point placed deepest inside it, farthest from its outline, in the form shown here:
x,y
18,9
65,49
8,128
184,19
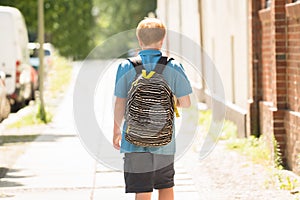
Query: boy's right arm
x,y
118,117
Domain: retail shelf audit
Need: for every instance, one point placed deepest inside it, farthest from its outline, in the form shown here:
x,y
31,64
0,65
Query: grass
x,y
12,146
262,150
205,118
29,120
58,78
229,129
254,148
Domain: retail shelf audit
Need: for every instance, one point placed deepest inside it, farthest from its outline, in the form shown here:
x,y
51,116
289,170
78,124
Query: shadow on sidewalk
x,y
10,139
8,184
3,173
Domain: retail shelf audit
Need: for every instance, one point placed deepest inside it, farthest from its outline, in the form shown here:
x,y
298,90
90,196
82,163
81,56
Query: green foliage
x,y
68,24
286,182
59,77
42,116
74,26
258,150
277,154
254,148
282,179
205,118
30,119
116,16
29,11
229,130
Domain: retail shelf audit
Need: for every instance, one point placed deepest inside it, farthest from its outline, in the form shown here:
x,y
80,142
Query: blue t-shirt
x,y
176,78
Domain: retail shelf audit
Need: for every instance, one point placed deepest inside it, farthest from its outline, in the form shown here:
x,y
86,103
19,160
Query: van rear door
x,y
8,49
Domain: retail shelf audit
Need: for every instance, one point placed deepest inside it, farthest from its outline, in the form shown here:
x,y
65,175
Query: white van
x,y
14,55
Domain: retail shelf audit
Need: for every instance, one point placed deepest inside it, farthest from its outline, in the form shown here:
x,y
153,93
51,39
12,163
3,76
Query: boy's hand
x,y
117,138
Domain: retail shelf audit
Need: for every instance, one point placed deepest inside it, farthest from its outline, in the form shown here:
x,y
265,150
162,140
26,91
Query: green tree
x,y
69,24
116,16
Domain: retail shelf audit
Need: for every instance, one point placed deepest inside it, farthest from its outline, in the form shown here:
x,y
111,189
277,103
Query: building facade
x,y
275,74
255,47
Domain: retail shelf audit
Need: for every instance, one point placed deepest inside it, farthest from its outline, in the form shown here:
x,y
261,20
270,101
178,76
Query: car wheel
x,y
6,109
32,92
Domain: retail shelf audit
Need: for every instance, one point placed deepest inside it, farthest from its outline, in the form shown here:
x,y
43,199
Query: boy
x,y
148,168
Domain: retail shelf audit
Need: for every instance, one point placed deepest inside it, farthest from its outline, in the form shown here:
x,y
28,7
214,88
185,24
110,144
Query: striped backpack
x,y
150,108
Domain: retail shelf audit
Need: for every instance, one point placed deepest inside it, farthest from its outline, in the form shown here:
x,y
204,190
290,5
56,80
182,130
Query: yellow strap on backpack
x,y
175,107
144,74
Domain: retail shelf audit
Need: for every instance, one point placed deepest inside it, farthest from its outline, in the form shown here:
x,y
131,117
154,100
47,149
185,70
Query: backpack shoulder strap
x,y
137,64
161,64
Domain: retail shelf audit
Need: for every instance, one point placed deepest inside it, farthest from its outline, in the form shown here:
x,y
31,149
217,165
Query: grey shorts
x,y
144,172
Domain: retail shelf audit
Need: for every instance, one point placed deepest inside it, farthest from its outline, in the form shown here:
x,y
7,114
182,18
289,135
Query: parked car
x,y
34,78
34,55
133,52
4,102
14,56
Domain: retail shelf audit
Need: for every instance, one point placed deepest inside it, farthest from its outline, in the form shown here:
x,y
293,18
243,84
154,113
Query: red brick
x,y
280,49
280,9
280,36
279,15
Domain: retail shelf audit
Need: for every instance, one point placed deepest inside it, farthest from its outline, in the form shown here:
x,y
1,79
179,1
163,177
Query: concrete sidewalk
x,y
57,166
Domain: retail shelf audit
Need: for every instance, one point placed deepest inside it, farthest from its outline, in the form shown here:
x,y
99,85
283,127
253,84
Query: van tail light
x,y
18,71
3,82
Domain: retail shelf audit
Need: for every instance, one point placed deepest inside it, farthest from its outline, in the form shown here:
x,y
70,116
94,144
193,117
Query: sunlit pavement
x,y
57,166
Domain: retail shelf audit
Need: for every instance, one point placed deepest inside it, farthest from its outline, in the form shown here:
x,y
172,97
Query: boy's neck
x,y
155,46
149,48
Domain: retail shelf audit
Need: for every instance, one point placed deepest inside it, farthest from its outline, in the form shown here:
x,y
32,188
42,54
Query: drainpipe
x,y
201,50
167,24
180,25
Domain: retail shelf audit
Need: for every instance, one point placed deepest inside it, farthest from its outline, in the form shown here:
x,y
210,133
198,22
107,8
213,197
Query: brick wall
x,y
273,45
255,62
292,125
279,68
292,114
266,55
293,57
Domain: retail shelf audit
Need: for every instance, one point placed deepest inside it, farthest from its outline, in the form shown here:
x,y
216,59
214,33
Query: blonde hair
x,y
150,31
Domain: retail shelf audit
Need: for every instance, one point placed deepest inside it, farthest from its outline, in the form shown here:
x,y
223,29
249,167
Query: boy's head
x,y
150,31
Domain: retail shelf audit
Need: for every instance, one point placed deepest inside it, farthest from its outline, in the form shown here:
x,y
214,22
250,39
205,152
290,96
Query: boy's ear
x,y
140,43
161,42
